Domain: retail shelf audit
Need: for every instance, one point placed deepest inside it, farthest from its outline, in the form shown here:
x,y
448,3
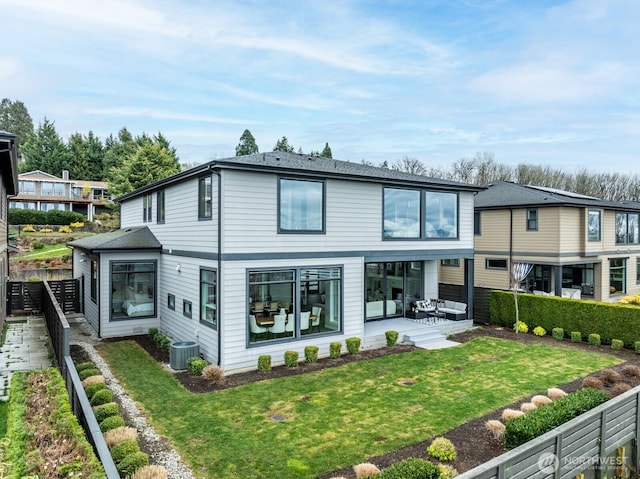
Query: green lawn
x,y
49,251
340,416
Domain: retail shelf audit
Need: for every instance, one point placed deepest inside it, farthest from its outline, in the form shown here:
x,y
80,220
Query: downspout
x,y
510,244
217,173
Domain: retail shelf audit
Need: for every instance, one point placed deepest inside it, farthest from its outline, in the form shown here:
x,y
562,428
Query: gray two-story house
x,y
270,252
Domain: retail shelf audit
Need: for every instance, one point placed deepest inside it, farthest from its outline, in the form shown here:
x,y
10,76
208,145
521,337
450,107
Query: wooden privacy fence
x,y
27,297
598,444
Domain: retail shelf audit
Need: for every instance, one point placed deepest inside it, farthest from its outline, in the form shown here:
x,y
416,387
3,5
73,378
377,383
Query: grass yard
x,y
49,251
306,425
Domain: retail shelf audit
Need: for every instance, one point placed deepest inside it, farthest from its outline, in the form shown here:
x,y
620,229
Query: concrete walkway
x,y
26,347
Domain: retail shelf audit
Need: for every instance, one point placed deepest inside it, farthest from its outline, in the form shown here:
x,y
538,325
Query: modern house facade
x,y
8,187
270,252
41,191
579,246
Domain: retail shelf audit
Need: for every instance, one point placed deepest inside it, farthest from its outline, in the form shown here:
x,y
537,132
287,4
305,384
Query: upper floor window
x,y
59,189
146,208
27,187
532,219
205,198
46,188
401,213
301,206
627,228
441,214
160,207
594,225
476,224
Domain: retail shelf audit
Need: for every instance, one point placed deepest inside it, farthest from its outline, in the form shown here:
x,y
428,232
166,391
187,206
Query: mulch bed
x,y
474,444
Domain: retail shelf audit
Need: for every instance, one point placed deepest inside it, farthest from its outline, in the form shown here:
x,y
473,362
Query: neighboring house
x,y
269,252
8,186
41,191
579,246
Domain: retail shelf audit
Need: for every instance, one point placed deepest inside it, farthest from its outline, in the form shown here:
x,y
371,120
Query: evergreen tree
x,y
283,145
87,156
326,153
247,145
15,118
117,150
44,150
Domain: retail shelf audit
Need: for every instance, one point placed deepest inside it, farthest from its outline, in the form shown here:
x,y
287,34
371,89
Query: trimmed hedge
x,y
410,468
547,417
609,320
18,216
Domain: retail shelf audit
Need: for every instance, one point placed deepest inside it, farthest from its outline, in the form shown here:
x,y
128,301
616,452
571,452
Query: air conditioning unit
x,y
180,352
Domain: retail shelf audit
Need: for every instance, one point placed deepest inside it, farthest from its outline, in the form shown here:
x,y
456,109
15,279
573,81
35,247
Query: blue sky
x,y
543,82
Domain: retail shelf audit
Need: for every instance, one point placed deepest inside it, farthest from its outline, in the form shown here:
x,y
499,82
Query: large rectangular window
x,y
617,276
632,228
621,228
133,289
401,213
294,303
441,215
46,188
208,298
27,187
477,230
532,219
59,189
160,207
146,208
301,206
205,198
594,225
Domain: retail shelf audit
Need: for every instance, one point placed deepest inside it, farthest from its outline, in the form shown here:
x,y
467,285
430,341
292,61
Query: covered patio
x,y
428,335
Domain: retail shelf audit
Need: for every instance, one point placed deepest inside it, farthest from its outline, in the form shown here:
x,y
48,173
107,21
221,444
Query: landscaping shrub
x,y
104,411
85,373
392,337
335,349
509,414
213,373
85,365
555,393
123,449
594,339
544,419
576,336
631,370
291,359
446,471
591,382
521,327
540,400
45,230
92,380
101,397
442,449
152,333
411,468
527,406
28,229
132,462
539,331
111,422
165,343
195,365
617,344
619,388
150,472
610,376
366,469
37,245
264,362
311,354
91,389
496,428
353,345
558,333
120,434
636,347
65,229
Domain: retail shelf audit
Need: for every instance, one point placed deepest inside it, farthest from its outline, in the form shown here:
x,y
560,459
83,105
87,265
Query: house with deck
x,y
8,187
579,246
275,251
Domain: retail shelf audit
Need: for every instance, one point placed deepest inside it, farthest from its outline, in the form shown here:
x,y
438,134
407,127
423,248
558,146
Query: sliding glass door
x,y
390,287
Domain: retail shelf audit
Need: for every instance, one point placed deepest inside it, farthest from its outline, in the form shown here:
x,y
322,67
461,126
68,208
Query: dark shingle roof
x,y
138,238
294,163
503,194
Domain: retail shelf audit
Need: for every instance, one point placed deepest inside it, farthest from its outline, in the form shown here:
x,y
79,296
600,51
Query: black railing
x,y
59,331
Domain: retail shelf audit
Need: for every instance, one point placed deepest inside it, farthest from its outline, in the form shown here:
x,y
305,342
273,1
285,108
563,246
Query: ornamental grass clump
x,y
617,344
213,373
610,376
540,400
544,419
121,434
366,469
558,333
311,354
391,337
555,393
335,349
509,414
528,406
631,370
592,382
576,336
291,359
442,449
496,428
150,472
539,331
619,388
594,339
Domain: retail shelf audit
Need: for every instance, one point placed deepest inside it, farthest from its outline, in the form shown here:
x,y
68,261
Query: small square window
x,y
186,308
171,302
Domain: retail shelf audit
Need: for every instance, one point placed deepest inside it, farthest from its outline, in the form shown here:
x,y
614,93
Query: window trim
x,y
187,309
421,212
160,207
450,262
593,212
171,301
477,223
487,264
147,202
203,215
154,262
529,221
323,227
210,324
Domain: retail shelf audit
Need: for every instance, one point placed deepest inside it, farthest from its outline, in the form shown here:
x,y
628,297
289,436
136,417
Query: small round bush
x,y
85,365
105,410
617,344
631,370
411,468
123,449
93,388
101,397
311,354
132,462
442,449
291,359
520,327
85,373
165,343
594,339
446,471
353,345
610,376
392,337
213,373
558,333
636,347
576,336
37,244
618,389
111,422
335,349
152,333
195,365
264,363
539,331
591,382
